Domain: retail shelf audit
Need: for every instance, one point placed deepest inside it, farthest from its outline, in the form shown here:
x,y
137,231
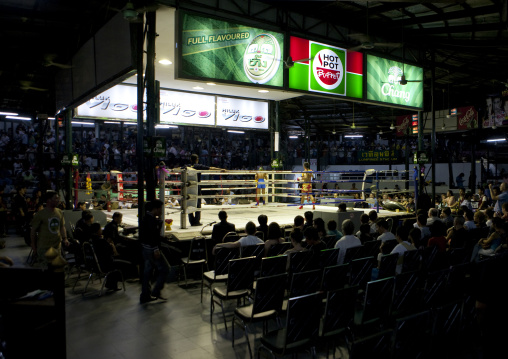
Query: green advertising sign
x,y
327,69
224,50
383,82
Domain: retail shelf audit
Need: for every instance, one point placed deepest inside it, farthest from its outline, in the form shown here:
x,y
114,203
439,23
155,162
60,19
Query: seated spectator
x,y
483,202
450,199
433,216
404,244
349,240
273,237
415,236
309,216
504,209
365,235
372,221
438,233
263,225
128,248
173,202
296,237
319,224
312,239
332,230
82,231
364,219
384,233
80,206
249,240
456,236
469,217
104,252
446,217
489,213
488,246
467,201
421,223
222,228
299,222
342,207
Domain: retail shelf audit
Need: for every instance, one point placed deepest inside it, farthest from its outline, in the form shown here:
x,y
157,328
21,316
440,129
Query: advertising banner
x,y
232,112
118,102
377,156
403,123
496,113
186,108
331,70
467,118
383,82
224,50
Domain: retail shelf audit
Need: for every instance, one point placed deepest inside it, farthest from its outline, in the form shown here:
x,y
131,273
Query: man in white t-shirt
x,y
249,240
384,233
403,246
349,240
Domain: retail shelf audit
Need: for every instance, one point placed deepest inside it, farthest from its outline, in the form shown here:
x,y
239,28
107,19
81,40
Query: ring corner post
x,y
183,217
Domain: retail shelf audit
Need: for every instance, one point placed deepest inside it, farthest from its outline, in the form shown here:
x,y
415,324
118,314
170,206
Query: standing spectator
x,y
20,209
48,229
460,180
222,228
151,240
499,198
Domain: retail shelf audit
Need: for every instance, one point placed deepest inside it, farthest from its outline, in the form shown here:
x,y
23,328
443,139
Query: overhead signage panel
x,y
187,108
247,114
223,50
383,82
118,102
327,69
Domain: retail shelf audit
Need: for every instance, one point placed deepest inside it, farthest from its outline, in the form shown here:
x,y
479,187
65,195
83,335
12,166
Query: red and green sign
x,y
328,69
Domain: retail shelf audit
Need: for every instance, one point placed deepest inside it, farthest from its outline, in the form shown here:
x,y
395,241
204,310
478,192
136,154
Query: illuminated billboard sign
x,y
186,108
233,112
383,82
223,50
329,69
180,108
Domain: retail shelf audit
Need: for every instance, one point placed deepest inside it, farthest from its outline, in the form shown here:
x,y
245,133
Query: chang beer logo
x,y
54,225
327,69
389,88
262,58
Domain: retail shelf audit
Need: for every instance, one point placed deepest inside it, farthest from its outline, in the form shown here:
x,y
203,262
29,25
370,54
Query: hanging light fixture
x,y
353,125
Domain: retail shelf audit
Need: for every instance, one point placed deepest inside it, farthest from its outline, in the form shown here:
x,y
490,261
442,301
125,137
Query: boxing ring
x,y
235,192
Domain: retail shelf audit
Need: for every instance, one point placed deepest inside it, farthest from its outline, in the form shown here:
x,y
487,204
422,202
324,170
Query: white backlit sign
x,y
233,112
187,108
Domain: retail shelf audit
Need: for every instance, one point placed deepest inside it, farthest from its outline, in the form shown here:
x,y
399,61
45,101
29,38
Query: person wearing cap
x,y
261,178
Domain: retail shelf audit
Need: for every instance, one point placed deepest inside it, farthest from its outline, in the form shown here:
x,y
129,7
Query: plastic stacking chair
x,y
377,346
330,240
197,257
230,237
256,250
267,304
239,283
353,253
335,277
387,265
408,293
328,257
339,315
361,271
93,266
260,235
220,272
278,248
303,283
371,248
273,265
411,261
412,336
300,330
378,301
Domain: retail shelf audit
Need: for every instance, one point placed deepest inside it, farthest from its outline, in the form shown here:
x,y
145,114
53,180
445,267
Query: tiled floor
x,y
117,326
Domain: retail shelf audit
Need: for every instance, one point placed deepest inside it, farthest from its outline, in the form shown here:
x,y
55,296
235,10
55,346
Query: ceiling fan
x,y
27,85
367,42
49,61
290,63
